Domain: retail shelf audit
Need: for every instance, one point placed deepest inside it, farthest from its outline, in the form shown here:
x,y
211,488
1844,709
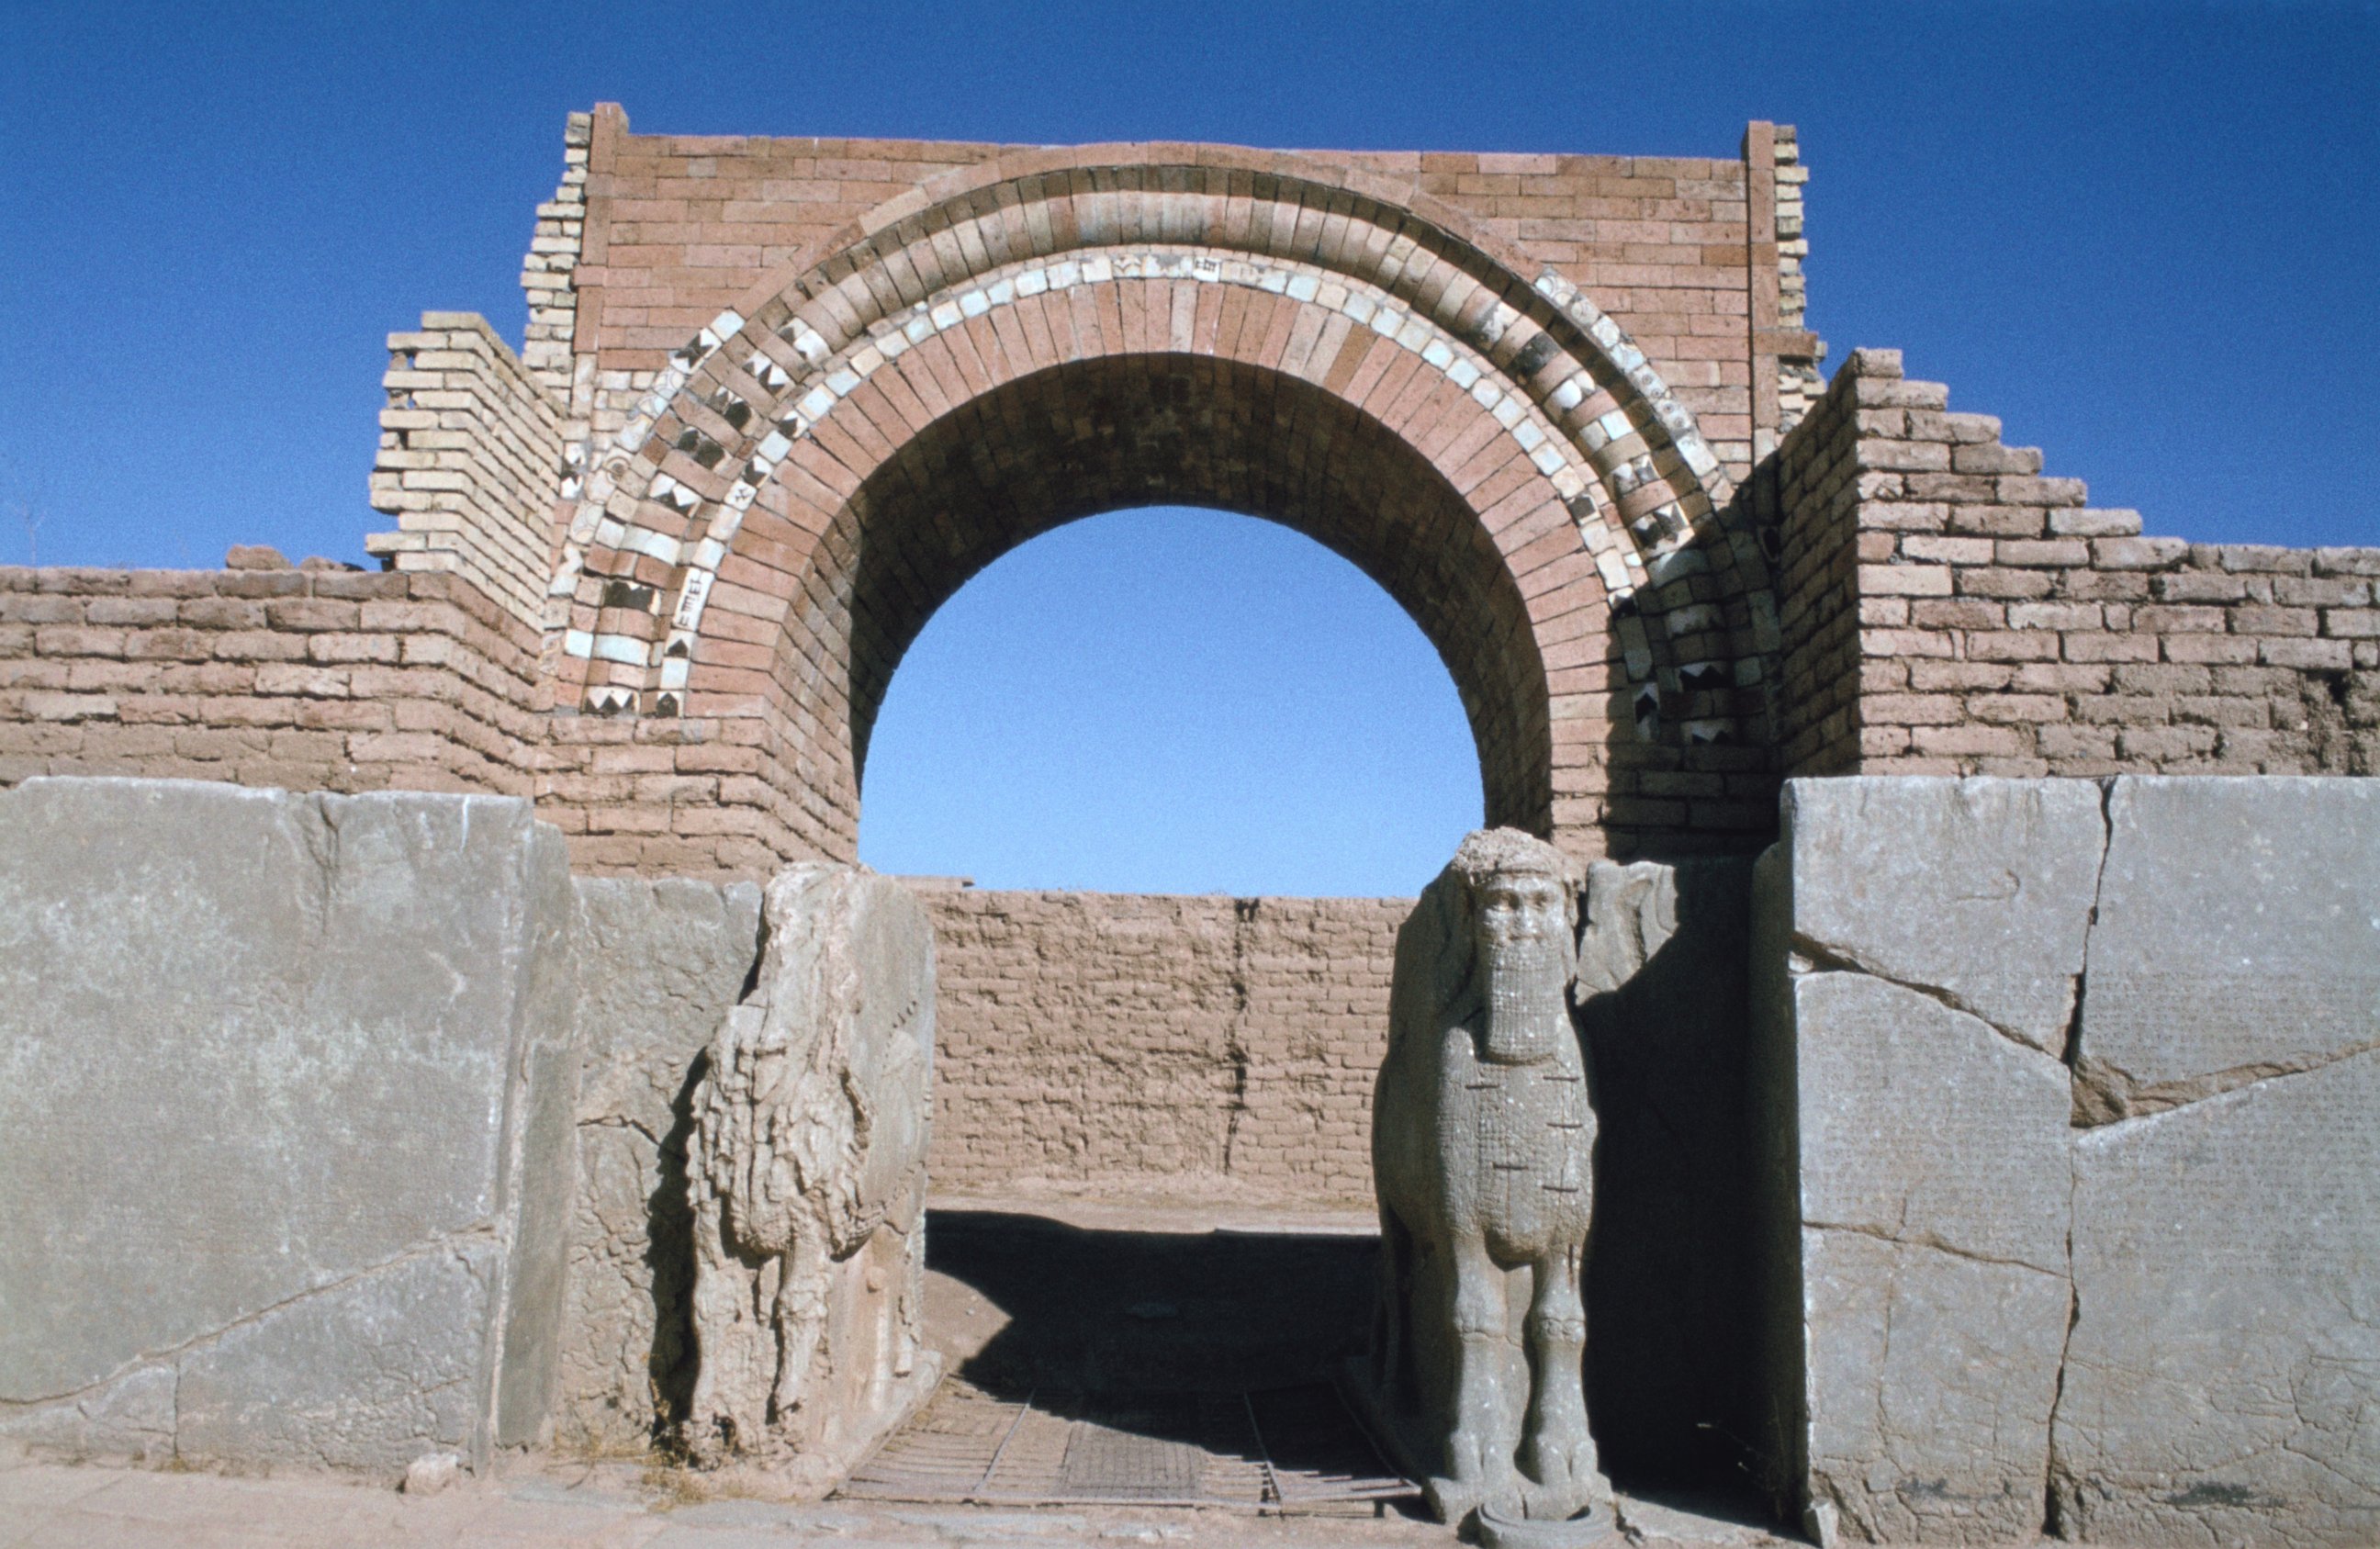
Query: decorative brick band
x,y
811,353
1644,497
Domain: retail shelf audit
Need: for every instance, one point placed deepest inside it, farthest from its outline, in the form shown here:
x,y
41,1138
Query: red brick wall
x,y
470,451
329,679
1949,611
678,227
1121,1044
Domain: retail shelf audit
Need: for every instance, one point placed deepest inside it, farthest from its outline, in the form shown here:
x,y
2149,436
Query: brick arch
x,y
828,367
1132,430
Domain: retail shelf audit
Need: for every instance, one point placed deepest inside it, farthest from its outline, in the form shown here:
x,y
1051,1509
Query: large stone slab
x,y
1977,891
1916,947
1934,1192
285,1091
660,962
2237,937
2223,1381
2209,1195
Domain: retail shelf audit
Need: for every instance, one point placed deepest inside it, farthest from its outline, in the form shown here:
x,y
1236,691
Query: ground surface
x,y
1116,1313
50,1506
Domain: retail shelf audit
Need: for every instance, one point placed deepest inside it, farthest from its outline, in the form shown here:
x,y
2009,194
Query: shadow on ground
x,y
1157,1333
1120,1313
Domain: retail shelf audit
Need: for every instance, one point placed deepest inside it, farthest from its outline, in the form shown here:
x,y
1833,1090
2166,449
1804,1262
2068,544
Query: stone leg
x,y
727,1334
1478,1454
1557,1452
1391,1355
800,1316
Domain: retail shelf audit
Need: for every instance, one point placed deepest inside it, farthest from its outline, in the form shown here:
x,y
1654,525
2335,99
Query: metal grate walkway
x,y
1274,1450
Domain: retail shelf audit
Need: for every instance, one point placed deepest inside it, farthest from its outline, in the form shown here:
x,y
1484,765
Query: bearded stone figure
x,y
1482,1144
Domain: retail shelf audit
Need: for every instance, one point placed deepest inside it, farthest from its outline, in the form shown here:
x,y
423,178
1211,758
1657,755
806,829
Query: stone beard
x,y
1523,996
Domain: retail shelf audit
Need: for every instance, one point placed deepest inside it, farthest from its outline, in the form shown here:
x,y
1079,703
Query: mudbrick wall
x,y
311,679
1946,610
1134,1040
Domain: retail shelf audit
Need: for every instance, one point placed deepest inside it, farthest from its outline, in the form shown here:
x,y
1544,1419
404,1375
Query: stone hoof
x,y
1500,1529
1452,1500
1554,1501
1559,1467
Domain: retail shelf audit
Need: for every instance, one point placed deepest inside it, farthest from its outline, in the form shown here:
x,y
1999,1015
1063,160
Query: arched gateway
x,y
1045,334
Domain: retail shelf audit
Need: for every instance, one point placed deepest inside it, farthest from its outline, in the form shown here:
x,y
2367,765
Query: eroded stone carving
x,y
286,1082
1482,1142
807,1175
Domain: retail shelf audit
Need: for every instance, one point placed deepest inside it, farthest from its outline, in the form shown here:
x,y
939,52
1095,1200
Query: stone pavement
x,y
54,1505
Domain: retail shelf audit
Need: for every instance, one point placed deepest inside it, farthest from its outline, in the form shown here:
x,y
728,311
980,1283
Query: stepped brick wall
x,y
1946,610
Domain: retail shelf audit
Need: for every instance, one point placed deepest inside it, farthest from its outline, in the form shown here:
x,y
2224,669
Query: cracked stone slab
x,y
1916,947
1920,1124
1934,1180
381,1368
663,960
2223,1381
1933,1377
256,1049
2238,938
1905,878
2221,1231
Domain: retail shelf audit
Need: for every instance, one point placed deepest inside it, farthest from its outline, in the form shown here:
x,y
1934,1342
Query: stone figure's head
x,y
1522,896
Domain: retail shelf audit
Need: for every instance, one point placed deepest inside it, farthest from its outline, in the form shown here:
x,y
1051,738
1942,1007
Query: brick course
x,y
324,679
1103,1042
1950,611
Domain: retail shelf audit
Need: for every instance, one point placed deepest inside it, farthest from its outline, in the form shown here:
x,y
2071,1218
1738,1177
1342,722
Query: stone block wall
x,y
661,963
469,463
1947,609
1138,1042
311,680
286,1089
2068,1093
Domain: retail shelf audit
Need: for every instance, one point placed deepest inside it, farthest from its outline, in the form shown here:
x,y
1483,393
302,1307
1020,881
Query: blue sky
x,y
2142,234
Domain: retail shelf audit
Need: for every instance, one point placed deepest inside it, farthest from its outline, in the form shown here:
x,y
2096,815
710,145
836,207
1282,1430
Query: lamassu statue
x,y
1482,1144
807,1176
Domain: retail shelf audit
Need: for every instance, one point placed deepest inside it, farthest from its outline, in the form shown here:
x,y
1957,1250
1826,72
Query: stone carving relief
x,y
1482,1138
807,1176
